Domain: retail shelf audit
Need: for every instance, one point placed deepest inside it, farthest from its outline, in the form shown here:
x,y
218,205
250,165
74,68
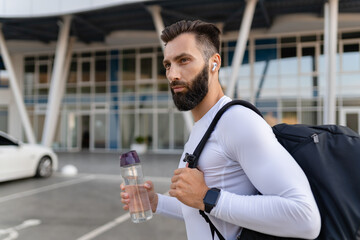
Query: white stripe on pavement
x,y
46,188
106,227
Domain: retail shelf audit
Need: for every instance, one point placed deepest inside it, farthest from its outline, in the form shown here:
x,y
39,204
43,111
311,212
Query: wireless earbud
x,y
214,67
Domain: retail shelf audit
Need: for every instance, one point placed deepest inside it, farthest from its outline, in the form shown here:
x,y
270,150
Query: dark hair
x,y
206,35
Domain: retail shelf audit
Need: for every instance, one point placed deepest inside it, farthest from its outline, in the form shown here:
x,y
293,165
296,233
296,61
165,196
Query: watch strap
x,y
209,207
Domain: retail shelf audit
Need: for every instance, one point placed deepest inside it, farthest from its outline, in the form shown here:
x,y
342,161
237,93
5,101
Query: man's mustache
x,y
178,83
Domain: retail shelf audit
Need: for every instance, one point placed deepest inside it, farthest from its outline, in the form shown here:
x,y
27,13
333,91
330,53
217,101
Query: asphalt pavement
x,y
84,206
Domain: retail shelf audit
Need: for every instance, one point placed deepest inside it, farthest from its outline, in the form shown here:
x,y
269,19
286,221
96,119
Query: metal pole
x,y
326,58
53,105
16,90
67,63
331,25
155,11
334,7
159,26
241,45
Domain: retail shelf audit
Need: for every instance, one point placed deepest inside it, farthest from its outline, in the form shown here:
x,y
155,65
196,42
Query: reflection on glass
x,y
309,117
127,130
289,117
350,84
100,70
85,90
163,86
128,68
100,89
100,131
288,61
146,88
43,73
71,90
267,87
307,61
161,72
352,121
288,85
179,131
85,72
351,58
43,91
114,129
163,131
146,68
265,62
39,121
72,126
72,73
128,88
146,128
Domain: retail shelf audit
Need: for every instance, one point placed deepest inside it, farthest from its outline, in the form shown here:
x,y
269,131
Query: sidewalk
x,y
85,206
155,165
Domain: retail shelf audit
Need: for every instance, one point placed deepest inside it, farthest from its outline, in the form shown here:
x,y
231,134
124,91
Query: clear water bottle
x,y
131,172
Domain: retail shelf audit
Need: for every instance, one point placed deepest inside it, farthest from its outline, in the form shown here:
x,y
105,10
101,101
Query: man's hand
x,y
189,187
153,197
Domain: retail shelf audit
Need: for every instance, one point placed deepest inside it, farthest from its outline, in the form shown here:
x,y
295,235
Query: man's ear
x,y
215,62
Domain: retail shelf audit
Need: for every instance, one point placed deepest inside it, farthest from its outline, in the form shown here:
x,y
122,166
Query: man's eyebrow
x,y
181,56
177,57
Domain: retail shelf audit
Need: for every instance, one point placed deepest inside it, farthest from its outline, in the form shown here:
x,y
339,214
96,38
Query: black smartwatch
x,y
211,198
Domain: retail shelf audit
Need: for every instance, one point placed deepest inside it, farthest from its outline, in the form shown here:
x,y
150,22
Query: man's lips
x,y
178,88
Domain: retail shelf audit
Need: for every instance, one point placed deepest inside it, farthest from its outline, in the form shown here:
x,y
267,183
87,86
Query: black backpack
x,y
330,157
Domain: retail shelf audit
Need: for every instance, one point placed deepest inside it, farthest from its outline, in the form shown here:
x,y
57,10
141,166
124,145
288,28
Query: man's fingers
x,y
178,171
124,195
172,193
175,178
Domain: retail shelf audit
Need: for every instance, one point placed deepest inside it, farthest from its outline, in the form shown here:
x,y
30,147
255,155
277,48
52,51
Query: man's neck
x,y
206,104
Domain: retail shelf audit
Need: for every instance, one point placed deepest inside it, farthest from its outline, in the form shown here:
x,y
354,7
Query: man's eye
x,y
184,60
167,66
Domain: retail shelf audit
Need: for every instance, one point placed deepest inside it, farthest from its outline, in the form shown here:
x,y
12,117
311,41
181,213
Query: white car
x,y
20,160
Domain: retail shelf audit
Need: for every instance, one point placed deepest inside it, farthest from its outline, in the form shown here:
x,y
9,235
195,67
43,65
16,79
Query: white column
x,y
241,45
14,115
159,26
155,11
15,89
53,105
67,63
330,50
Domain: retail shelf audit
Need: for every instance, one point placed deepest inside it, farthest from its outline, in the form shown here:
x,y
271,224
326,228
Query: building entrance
x,y
85,132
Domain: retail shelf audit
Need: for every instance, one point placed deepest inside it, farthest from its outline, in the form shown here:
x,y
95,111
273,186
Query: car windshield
x,y
6,142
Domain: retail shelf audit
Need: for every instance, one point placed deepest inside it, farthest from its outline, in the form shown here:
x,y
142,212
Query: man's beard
x,y
196,91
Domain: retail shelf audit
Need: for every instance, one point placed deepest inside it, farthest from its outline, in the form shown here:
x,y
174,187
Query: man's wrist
x,y
211,198
202,204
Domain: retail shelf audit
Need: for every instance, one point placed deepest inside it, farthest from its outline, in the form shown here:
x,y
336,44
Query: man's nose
x,y
173,74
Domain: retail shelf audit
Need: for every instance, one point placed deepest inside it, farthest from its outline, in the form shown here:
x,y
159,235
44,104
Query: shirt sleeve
x,y
286,207
169,206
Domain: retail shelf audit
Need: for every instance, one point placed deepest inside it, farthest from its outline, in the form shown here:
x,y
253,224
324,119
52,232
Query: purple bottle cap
x,y
129,158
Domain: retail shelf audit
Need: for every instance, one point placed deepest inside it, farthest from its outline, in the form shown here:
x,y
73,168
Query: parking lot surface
x,y
84,206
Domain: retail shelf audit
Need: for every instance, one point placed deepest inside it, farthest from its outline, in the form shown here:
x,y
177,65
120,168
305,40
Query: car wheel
x,y
44,168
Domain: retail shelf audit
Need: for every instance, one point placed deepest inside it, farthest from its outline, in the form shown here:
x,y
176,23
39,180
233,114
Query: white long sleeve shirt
x,y
243,155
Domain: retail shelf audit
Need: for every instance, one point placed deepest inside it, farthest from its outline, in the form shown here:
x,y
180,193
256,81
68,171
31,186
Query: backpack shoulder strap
x,y
193,158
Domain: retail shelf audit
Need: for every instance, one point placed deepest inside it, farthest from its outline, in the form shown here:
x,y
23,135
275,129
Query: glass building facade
x,y
114,95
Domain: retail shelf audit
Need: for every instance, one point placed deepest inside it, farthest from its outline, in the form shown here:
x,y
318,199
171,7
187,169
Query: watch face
x,y
211,197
